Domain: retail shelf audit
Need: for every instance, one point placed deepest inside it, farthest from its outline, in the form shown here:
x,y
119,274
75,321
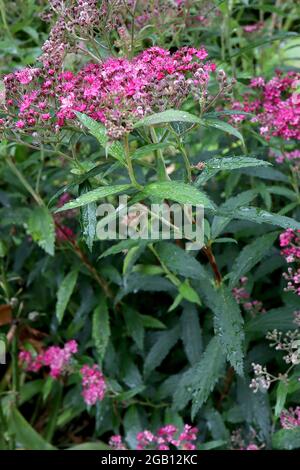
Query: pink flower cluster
x,y
290,242
117,92
56,358
242,297
93,384
290,419
253,28
277,110
293,157
162,439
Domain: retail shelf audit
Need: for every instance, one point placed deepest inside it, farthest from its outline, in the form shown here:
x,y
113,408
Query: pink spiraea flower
x,y
290,244
166,438
277,109
117,92
93,384
57,359
290,419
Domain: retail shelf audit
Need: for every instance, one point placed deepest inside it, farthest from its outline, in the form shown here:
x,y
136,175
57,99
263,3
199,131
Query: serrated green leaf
x,y
171,115
233,203
223,126
64,294
40,226
94,195
101,329
88,217
180,261
161,348
191,334
206,374
179,192
261,216
137,282
98,130
250,256
228,324
255,408
214,165
134,326
280,318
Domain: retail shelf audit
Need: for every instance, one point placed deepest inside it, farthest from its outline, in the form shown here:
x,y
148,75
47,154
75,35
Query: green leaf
x,y
187,292
161,348
280,318
281,395
64,293
228,322
149,149
88,217
212,445
250,256
191,334
101,329
132,425
261,216
134,326
40,226
150,322
286,439
223,126
119,247
171,115
214,165
28,437
133,255
137,282
179,192
206,374
94,195
180,261
233,203
98,130
255,408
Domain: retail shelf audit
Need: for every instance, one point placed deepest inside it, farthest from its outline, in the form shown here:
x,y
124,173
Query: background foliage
x,y
172,342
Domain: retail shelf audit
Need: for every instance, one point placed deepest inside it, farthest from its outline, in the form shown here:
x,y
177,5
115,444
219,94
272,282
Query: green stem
x,y
25,183
161,167
186,162
129,164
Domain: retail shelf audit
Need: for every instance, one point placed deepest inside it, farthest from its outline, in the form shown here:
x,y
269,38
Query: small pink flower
x,y
93,383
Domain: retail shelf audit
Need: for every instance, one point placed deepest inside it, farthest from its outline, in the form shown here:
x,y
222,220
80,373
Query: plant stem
x,y
24,181
186,162
161,167
212,261
129,164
